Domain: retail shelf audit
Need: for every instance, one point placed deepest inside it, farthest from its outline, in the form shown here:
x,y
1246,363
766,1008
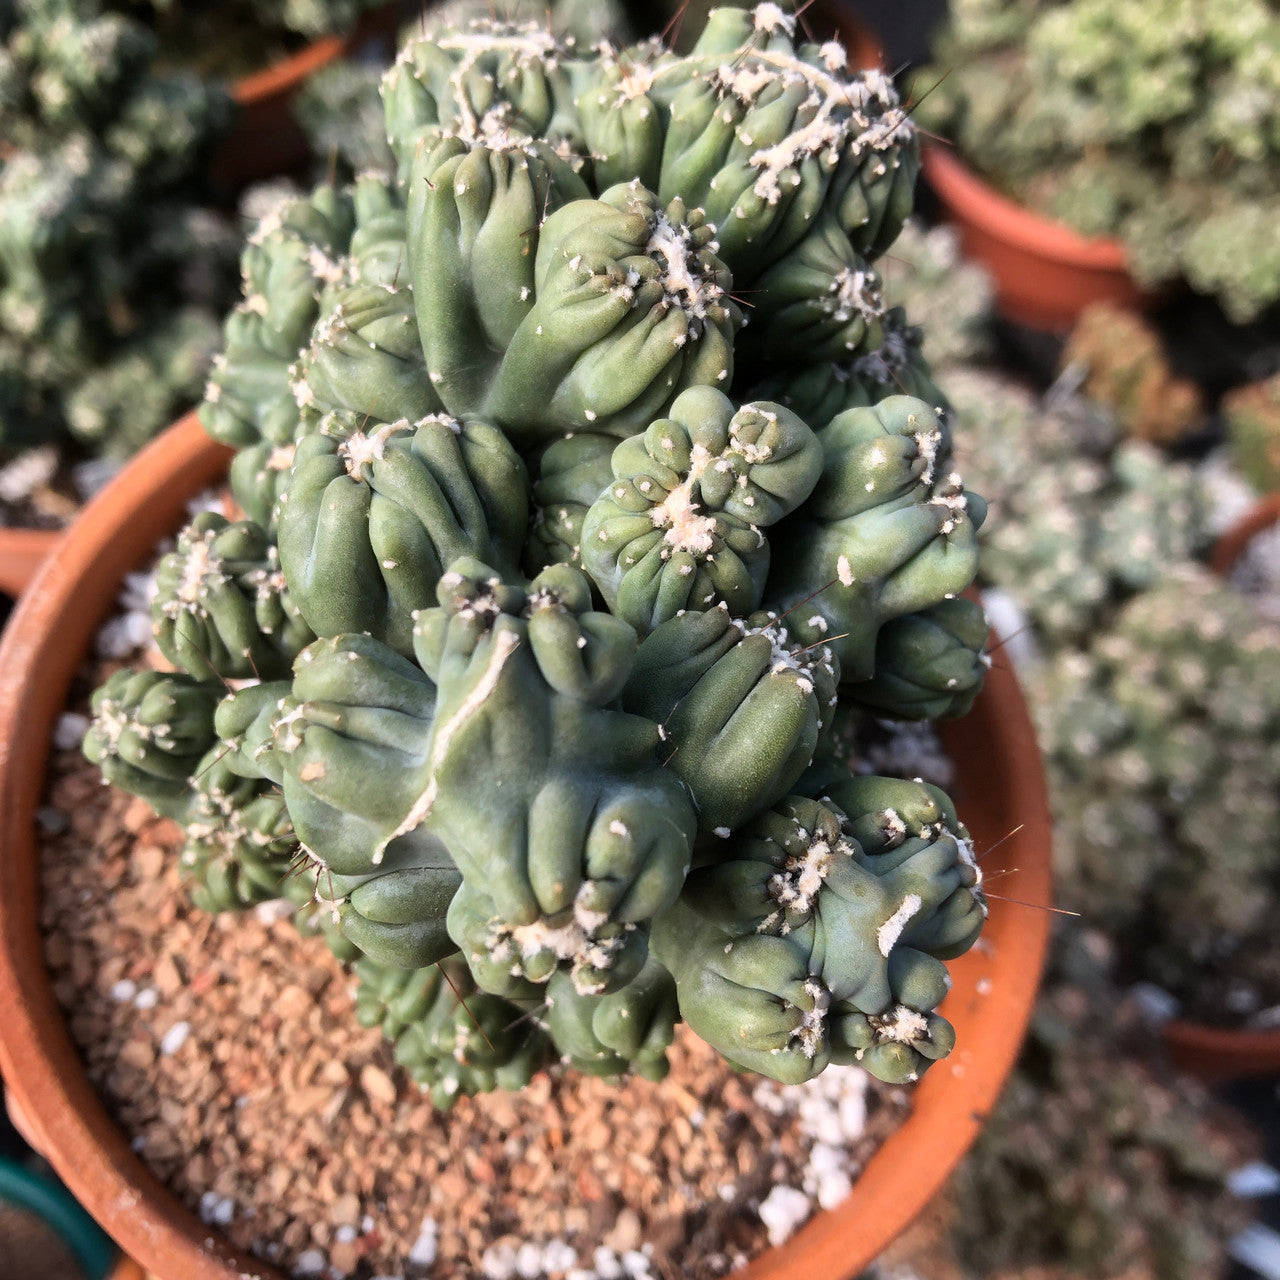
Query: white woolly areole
x,y
888,933
810,1029
844,571
686,529
201,569
573,942
902,1026
770,17
361,449
684,283
796,887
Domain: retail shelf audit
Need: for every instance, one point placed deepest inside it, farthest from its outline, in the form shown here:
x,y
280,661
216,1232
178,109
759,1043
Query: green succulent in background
x,y
112,273
584,609
1162,743
1086,519
1097,1158
1154,122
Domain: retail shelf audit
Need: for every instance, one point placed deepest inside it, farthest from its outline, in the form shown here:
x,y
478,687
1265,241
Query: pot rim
x,y
44,645
280,77
1230,546
958,186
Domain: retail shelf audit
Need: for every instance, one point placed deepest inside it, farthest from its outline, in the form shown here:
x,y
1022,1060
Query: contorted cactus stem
x,y
562,582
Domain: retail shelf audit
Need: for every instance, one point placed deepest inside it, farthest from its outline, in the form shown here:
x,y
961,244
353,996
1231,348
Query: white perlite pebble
x,y
606,1264
634,1263
69,731
1258,1248
123,635
124,990
147,998
528,1261
311,1263
217,1209
423,1252
175,1038
782,1211
558,1256
498,1262
1252,1180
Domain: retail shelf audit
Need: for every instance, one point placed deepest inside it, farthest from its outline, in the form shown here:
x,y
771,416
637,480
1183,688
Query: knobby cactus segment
x,y
222,606
742,708
567,831
889,530
630,307
474,218
801,946
374,513
682,526
452,1038
552,618
149,733
929,665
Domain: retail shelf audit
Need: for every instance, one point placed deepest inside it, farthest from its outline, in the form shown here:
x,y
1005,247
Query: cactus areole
x,y
545,601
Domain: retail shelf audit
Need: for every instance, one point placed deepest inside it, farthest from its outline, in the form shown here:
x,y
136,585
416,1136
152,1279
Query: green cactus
x,y
769,921
222,606
1086,521
111,271
149,733
889,530
538,623
929,665
1252,415
453,1039
1153,122
1163,734
646,541
741,707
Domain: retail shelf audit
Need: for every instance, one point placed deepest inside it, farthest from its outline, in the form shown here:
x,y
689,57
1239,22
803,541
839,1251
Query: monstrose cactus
x,y
561,566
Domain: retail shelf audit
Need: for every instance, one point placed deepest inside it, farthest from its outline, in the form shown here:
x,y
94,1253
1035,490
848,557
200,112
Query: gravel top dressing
x,y
228,1048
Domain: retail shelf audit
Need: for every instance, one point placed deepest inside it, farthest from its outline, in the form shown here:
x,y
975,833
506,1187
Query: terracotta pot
x,y
22,552
1214,1054
1000,791
1044,273
266,140
1229,548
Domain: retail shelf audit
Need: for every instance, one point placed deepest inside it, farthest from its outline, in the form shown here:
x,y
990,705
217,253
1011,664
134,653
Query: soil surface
x,y
228,1049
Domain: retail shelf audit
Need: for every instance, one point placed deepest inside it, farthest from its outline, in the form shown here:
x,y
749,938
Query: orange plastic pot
x,y
1043,272
22,552
1214,1054
1000,791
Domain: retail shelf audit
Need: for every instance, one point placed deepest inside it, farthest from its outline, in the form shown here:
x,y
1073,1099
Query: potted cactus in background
x,y
540,648
1152,126
112,275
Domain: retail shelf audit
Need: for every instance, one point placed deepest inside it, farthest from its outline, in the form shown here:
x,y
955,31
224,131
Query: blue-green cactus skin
x,y
554,806
742,711
929,665
372,515
889,530
150,730
584,515
769,944
681,526
222,607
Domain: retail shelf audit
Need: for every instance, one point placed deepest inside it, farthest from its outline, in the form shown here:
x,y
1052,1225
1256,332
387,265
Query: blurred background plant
x,y
1156,121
